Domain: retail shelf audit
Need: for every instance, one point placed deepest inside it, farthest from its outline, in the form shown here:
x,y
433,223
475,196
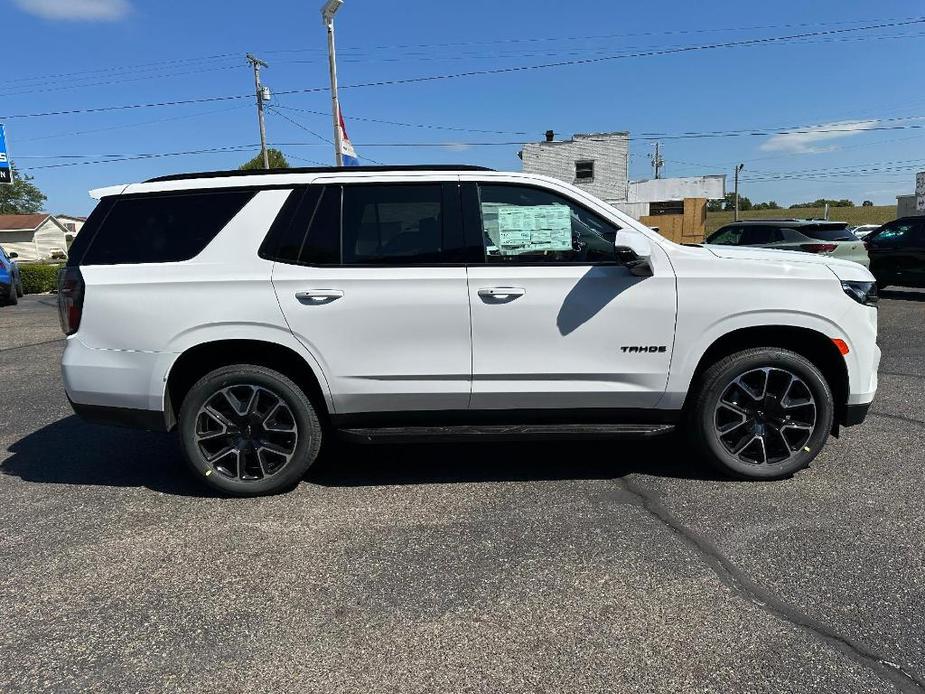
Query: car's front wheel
x,y
761,413
248,430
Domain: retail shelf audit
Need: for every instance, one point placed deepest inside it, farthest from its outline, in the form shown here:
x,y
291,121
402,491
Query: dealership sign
x,y
6,171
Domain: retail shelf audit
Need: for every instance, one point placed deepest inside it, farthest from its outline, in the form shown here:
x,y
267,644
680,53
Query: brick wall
x,y
608,151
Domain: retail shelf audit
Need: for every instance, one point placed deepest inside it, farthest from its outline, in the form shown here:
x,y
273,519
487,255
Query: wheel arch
x,y
809,343
198,360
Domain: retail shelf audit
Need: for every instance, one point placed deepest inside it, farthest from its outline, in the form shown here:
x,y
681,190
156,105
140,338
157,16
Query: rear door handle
x,y
502,293
319,296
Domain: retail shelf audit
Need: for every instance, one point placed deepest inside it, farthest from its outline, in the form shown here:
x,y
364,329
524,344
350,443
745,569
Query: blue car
x,y
10,279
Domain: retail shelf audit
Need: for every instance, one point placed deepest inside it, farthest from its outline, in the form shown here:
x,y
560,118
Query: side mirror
x,y
14,254
634,251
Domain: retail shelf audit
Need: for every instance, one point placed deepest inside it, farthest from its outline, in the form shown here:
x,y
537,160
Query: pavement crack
x,y
730,575
31,344
901,418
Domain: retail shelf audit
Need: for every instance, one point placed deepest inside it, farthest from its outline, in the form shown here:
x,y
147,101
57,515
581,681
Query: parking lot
x,y
606,566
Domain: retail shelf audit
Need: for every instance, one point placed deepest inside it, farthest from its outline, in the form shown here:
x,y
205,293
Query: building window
x,y
584,170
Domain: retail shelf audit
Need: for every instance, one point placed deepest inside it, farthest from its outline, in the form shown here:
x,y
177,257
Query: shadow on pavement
x,y
71,451
902,295
344,465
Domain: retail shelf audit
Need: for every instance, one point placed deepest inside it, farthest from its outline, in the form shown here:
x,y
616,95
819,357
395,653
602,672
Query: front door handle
x,y
501,294
319,296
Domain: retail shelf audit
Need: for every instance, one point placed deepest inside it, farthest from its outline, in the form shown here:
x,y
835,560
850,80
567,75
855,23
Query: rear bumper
x,y
112,378
149,420
854,414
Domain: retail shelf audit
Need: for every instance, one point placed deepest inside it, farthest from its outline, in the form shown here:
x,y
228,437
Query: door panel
x,y
365,292
389,338
556,322
560,343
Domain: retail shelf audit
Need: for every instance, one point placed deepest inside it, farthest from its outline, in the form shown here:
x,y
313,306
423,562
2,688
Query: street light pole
x,y
327,13
257,63
739,168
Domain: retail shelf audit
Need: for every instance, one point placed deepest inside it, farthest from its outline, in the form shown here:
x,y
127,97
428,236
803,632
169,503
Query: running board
x,y
500,432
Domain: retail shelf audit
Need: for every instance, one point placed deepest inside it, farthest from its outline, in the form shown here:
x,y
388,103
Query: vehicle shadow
x,y
902,294
71,451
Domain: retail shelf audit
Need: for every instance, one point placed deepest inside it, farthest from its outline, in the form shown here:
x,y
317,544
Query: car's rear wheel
x,y
761,413
19,291
248,430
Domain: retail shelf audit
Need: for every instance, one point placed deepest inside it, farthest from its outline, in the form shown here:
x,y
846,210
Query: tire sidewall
x,y
302,410
716,383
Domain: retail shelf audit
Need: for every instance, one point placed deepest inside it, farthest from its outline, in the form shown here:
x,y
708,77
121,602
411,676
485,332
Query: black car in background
x,y
897,252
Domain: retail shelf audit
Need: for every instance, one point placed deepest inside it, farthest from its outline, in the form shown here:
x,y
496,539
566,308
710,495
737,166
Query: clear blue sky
x,y
83,54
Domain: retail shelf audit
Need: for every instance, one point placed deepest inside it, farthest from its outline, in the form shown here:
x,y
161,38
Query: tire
x,y
19,291
766,438
249,431
12,297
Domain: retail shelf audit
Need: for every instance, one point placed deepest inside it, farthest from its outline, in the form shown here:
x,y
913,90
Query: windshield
x,y
829,232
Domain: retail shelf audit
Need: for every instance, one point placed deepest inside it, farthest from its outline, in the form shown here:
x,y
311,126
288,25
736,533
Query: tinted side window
x,y
162,228
824,232
756,236
83,240
392,224
282,243
525,224
893,234
727,236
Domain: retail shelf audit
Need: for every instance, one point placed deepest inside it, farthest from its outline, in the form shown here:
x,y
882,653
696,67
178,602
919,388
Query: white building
x,y
33,236
599,163
596,162
73,224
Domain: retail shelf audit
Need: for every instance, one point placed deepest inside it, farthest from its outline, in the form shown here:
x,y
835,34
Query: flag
x,y
347,152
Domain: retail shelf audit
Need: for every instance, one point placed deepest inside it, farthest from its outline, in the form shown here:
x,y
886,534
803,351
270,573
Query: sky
x,y
676,71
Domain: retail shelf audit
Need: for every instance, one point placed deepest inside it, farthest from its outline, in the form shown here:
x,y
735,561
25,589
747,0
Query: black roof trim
x,y
317,169
789,220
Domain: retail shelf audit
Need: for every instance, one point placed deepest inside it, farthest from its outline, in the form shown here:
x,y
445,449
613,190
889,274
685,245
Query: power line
x,y
496,71
410,125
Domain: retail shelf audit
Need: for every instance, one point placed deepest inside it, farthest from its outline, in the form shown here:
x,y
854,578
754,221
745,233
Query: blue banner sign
x,y
6,171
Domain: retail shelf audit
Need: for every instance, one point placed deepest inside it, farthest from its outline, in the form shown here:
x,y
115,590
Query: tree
x,y
770,205
22,197
729,202
867,203
277,161
822,202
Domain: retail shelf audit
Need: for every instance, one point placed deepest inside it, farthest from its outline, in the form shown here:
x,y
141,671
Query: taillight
x,y
818,247
70,298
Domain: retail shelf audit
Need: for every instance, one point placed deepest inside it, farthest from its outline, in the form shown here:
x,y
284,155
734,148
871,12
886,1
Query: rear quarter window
x,y
157,228
828,233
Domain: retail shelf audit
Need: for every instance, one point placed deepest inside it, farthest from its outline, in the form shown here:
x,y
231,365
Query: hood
x,y
843,269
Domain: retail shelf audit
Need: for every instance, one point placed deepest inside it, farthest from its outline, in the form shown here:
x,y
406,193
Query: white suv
x,y
258,312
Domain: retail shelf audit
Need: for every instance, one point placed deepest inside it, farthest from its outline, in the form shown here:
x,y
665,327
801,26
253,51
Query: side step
x,y
501,432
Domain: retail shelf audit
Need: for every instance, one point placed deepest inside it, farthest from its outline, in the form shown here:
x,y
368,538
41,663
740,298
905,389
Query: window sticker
x,y
516,229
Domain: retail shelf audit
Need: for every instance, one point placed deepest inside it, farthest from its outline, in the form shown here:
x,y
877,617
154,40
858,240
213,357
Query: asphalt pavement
x,y
573,567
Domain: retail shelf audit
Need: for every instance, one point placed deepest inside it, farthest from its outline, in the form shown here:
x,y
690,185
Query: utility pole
x,y
327,14
257,63
657,161
739,168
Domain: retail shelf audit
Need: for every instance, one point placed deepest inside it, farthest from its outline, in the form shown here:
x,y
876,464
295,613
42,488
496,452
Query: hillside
x,y
853,215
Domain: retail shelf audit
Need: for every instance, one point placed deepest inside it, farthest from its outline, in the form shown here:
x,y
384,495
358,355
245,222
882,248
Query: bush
x,y
39,278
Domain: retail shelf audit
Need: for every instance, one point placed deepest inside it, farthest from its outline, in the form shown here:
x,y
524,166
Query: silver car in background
x,y
822,237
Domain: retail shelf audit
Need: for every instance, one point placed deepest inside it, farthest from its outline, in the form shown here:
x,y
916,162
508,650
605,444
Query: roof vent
x,y
550,136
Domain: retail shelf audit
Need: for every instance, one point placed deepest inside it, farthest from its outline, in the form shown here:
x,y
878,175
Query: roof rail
x,y
317,169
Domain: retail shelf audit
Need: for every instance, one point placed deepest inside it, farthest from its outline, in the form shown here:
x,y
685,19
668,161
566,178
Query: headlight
x,y
862,292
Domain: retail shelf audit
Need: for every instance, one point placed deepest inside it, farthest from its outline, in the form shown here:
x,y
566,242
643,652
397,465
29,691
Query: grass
x,y
853,215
